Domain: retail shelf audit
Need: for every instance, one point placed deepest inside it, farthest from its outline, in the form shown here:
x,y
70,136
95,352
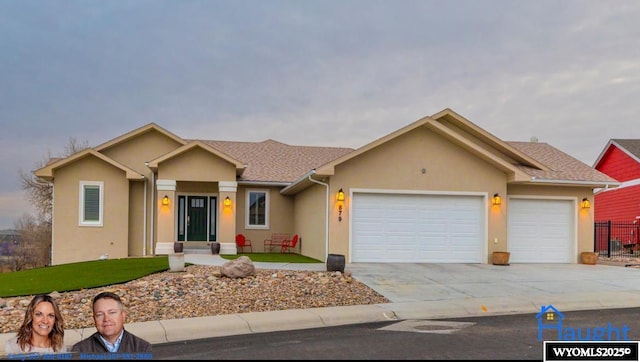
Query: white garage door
x,y
541,231
399,228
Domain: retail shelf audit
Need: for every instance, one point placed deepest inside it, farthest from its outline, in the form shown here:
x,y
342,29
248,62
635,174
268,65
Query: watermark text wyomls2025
x,y
600,343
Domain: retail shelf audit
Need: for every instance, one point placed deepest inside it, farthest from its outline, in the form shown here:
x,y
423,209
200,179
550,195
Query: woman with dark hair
x,y
42,330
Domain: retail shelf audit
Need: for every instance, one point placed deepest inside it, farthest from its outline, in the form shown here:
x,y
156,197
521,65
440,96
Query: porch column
x,y
165,225
227,226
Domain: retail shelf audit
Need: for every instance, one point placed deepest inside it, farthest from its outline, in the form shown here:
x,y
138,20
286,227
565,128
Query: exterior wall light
x,y
165,200
227,201
340,198
497,200
585,204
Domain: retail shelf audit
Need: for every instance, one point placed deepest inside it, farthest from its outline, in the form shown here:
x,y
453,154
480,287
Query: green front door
x,y
197,211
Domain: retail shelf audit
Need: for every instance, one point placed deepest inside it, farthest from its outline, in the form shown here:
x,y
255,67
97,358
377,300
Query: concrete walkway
x,y
416,291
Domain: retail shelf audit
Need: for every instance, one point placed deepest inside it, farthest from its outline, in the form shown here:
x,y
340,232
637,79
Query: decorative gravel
x,y
201,291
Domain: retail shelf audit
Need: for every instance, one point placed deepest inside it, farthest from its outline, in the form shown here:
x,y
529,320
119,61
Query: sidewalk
x,y
416,291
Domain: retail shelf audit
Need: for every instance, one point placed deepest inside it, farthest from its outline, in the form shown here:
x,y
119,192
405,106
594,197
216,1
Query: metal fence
x,y
617,238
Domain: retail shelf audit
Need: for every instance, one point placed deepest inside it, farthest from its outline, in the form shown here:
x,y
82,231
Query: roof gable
x,y
137,132
522,162
629,146
47,172
153,164
462,132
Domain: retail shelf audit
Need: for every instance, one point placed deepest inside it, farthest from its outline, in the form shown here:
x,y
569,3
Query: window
x,y
257,209
91,196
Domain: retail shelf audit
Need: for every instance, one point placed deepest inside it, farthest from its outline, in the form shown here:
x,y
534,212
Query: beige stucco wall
x,y
143,148
196,165
134,153
398,164
137,221
281,216
73,243
309,221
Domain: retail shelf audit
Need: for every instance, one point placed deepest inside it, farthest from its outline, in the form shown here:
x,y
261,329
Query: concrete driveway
x,y
437,282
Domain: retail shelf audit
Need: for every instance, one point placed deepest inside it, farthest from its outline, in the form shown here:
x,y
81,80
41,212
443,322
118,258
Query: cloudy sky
x,y
325,73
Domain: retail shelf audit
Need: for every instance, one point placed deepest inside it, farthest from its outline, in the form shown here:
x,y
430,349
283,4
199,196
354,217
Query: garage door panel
x,y
417,228
541,231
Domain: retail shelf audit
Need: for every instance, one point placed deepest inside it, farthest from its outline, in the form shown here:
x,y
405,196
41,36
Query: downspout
x,y
326,218
153,207
53,212
144,217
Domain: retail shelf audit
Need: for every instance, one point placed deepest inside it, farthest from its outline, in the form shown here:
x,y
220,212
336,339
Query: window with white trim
x,y
91,203
257,209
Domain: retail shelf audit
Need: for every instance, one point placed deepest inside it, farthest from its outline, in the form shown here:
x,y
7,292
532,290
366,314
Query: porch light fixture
x,y
497,200
165,200
340,198
227,201
585,204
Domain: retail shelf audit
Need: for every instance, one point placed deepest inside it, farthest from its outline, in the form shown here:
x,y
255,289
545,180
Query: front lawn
x,y
274,257
76,276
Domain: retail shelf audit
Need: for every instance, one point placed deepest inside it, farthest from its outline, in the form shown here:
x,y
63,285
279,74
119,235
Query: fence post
x,y
609,238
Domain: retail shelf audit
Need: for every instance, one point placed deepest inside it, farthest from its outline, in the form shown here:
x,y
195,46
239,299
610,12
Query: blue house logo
x,y
551,318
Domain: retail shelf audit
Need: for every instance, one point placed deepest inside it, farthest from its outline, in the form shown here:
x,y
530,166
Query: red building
x,y
620,159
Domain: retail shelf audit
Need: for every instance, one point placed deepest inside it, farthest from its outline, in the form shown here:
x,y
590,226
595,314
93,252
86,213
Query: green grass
x,y
274,257
76,276
100,273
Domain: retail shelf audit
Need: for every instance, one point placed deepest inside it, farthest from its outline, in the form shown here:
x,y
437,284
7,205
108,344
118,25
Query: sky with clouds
x,y
322,73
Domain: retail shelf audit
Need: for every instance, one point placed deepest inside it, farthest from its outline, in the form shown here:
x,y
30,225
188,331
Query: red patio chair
x,y
242,242
289,246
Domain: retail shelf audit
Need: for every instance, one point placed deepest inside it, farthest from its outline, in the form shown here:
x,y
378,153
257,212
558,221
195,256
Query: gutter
x,y
326,217
151,223
620,186
576,183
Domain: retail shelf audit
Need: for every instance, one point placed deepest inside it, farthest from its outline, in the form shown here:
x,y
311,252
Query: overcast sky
x,y
304,72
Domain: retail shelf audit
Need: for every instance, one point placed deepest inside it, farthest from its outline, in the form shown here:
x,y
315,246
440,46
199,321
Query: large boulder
x,y
238,268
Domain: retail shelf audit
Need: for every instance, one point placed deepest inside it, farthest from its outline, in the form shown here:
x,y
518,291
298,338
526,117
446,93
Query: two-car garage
x,y
451,228
417,228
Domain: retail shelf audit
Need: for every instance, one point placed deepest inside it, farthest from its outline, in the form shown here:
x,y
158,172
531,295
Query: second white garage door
x,y
417,228
541,231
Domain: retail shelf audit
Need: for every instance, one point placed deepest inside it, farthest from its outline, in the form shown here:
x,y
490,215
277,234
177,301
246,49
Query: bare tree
x,y
40,192
33,250
35,231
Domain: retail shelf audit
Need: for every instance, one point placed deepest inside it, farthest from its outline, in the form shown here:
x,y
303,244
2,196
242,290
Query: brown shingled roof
x,y
563,167
272,161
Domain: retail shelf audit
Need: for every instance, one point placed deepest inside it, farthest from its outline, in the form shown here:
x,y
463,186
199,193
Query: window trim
x,y
81,216
247,207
